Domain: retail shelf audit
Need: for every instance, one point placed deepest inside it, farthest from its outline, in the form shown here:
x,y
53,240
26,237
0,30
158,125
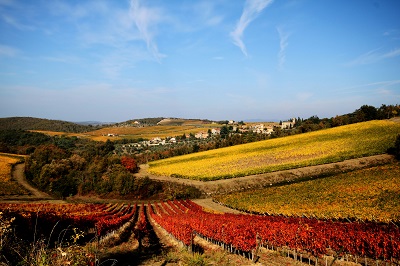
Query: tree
x,y
366,113
130,164
196,147
396,149
224,131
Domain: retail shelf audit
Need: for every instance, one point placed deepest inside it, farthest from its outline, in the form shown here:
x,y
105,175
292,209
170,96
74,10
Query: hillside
x,y
314,148
372,193
31,123
146,132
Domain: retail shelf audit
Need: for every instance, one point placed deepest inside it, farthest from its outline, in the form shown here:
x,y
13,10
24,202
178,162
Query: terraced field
x,y
366,194
314,148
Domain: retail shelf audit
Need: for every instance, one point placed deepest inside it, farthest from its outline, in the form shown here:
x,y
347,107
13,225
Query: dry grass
x,y
150,132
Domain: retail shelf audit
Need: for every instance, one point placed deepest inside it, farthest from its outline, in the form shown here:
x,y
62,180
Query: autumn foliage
x,y
130,164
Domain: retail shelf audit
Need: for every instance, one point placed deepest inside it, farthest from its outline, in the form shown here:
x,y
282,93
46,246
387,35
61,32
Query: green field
x,y
314,148
367,194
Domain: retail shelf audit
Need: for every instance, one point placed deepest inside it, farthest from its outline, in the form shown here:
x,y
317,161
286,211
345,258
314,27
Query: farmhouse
x,y
262,129
201,135
215,131
288,124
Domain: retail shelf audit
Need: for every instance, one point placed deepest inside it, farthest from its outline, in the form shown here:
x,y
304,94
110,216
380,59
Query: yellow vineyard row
x,y
368,194
319,147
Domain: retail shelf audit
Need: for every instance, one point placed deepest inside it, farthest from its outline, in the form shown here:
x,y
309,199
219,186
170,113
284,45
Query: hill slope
x,y
31,123
367,194
314,148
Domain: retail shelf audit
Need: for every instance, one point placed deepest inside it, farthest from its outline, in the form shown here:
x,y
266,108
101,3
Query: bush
x,y
396,149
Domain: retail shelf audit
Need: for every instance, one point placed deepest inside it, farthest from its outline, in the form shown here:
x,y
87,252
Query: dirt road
x,y
35,194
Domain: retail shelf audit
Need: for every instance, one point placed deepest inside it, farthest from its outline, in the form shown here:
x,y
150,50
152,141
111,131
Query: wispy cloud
x,y
387,87
392,33
146,19
8,51
251,10
206,11
374,56
283,43
12,21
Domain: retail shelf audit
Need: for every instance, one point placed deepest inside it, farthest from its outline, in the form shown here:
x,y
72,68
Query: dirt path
x,y
264,180
18,175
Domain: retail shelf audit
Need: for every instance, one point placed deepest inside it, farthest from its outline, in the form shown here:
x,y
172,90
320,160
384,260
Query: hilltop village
x,y
221,133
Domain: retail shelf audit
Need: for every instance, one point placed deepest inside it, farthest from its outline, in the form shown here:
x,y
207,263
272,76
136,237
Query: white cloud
x,y
251,10
283,43
146,19
374,56
8,51
16,23
206,11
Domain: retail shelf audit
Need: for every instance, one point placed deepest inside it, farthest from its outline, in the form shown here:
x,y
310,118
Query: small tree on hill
x,y
130,164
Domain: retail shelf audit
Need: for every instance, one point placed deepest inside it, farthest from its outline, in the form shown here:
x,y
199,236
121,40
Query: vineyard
x,y
366,194
307,238
7,185
314,148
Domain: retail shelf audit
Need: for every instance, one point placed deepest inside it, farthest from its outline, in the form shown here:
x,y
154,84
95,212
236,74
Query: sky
x,y
111,61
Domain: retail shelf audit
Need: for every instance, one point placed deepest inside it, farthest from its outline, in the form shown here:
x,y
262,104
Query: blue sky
x,y
218,59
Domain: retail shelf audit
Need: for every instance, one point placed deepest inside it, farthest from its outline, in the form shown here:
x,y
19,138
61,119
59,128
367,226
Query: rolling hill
x,y
313,148
31,123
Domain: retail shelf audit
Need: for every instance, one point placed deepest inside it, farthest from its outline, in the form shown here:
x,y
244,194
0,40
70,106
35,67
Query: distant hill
x,y
94,123
31,123
145,121
182,122
168,121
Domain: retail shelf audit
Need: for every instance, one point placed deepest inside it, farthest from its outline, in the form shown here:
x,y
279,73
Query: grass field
x,y
149,132
314,148
7,185
367,194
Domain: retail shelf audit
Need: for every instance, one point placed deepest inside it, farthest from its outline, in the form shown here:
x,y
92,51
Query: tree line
x,y
31,123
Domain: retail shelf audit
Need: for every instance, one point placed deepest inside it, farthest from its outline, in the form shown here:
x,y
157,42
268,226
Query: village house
x,y
201,135
288,124
215,131
262,129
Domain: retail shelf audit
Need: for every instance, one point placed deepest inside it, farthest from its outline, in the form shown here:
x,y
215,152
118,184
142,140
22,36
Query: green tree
x,y
224,132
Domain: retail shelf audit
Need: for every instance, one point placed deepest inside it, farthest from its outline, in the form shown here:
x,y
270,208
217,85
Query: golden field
x,y
366,194
7,185
149,132
6,163
314,148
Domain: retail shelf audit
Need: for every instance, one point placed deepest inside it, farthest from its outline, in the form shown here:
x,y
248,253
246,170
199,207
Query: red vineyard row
x,y
243,232
317,237
44,218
